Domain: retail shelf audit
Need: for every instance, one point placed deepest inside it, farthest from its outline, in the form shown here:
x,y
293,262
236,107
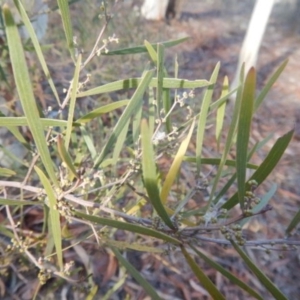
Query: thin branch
x,y
228,222
77,200
270,242
95,48
186,232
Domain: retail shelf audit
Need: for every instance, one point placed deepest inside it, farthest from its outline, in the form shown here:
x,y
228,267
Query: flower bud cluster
x,y
233,233
19,245
250,198
106,42
65,209
213,214
44,275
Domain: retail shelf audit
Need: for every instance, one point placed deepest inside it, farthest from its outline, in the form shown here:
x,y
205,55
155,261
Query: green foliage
x,y
108,174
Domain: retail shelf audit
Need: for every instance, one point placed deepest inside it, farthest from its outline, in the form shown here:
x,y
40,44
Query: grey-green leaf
x,y
268,284
136,275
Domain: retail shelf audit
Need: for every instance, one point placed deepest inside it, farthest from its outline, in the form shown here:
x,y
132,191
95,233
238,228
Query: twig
x,y
233,220
74,199
95,50
250,243
34,160
29,255
187,232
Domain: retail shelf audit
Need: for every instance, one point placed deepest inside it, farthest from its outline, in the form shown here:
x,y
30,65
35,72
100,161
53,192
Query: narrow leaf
x,y
221,111
136,123
22,121
24,88
152,110
171,176
129,227
136,275
12,202
160,77
6,172
295,221
101,110
132,246
119,143
65,156
163,98
36,46
205,281
151,51
143,49
203,115
134,104
217,161
227,274
229,183
222,99
67,25
269,84
266,167
272,288
150,176
54,215
89,142
228,143
71,111
243,135
169,83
